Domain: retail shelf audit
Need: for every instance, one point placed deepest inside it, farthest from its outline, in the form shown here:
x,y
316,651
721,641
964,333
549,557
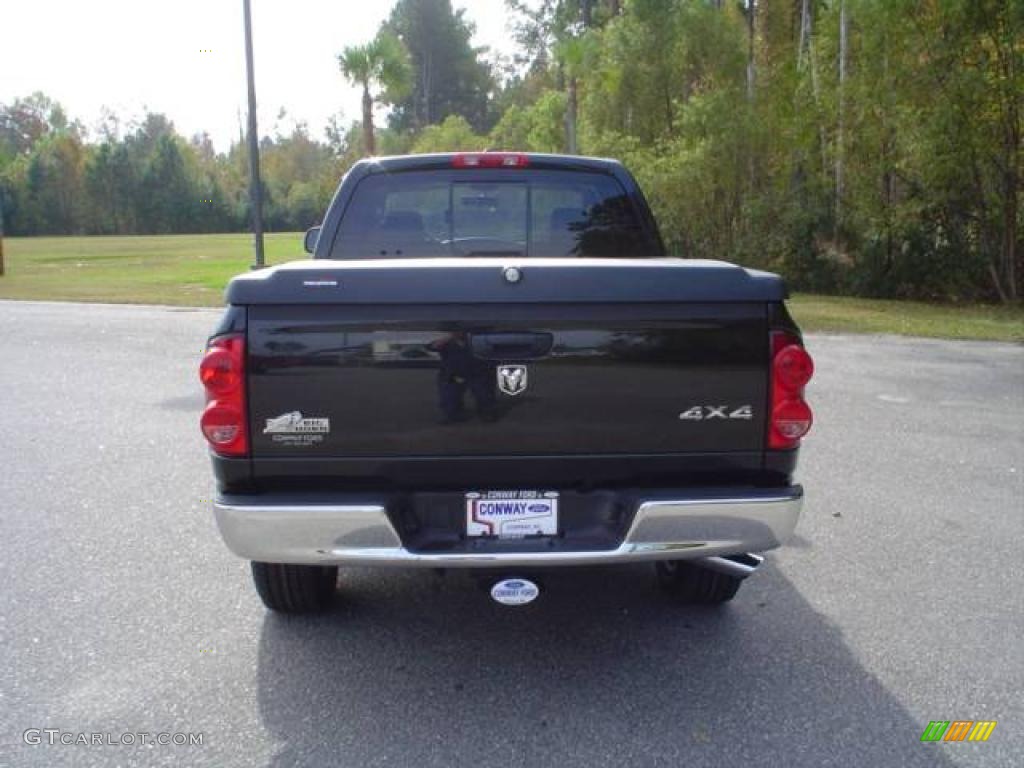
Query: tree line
x,y
868,147
145,178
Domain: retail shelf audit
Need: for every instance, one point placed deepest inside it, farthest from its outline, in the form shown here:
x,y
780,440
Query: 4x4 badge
x,y
512,379
709,412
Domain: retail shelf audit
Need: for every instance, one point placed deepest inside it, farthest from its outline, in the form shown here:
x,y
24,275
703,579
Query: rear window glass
x,y
436,213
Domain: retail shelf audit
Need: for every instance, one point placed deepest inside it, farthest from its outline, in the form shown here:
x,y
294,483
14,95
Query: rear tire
x,y
289,588
690,583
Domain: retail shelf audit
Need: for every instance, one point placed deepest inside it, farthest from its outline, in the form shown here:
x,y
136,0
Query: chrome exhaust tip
x,y
739,566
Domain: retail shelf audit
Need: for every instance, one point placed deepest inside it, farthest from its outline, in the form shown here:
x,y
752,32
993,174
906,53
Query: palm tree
x,y
382,64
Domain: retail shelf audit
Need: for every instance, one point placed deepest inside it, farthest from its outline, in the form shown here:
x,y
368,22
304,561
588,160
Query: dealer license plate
x,y
512,514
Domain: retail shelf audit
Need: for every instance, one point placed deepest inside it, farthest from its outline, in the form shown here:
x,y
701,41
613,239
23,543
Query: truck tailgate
x,y
575,360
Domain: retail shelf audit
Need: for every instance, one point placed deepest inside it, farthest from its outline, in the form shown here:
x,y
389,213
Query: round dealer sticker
x,y
515,591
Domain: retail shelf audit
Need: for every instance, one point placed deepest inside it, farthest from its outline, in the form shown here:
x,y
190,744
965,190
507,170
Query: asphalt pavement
x,y
900,601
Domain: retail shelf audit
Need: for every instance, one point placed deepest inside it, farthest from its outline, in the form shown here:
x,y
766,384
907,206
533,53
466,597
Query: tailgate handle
x,y
511,346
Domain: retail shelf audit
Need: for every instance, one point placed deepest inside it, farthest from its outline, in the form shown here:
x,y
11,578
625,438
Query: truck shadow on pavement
x,y
411,668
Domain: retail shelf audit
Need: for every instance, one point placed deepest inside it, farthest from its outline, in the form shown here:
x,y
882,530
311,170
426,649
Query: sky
x,y
186,58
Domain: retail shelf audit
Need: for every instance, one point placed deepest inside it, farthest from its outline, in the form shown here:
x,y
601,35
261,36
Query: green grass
x,y
907,318
191,270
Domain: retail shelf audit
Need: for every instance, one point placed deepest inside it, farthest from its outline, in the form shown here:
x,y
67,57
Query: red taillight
x,y
490,160
792,368
222,372
218,372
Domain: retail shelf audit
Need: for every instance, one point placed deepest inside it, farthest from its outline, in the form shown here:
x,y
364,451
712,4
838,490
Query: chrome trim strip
x,y
687,529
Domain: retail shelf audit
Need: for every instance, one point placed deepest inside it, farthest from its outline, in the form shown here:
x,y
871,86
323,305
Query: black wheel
x,y
295,588
692,584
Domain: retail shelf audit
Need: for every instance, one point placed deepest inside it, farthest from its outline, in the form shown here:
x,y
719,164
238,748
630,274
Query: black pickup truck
x,y
490,363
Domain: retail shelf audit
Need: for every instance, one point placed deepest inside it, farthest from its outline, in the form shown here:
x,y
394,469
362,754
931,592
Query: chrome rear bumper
x,y
362,534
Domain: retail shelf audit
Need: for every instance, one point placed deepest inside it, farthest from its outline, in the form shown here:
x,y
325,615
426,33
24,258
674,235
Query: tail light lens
x,y
792,368
218,371
222,372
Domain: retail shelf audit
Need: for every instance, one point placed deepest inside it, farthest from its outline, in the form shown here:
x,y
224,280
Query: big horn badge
x,y
512,379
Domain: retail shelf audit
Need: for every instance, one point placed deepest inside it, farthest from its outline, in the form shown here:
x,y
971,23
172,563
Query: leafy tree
x,y
449,76
453,135
537,128
559,30
169,201
55,179
513,130
381,64
547,123
25,121
299,174
102,185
